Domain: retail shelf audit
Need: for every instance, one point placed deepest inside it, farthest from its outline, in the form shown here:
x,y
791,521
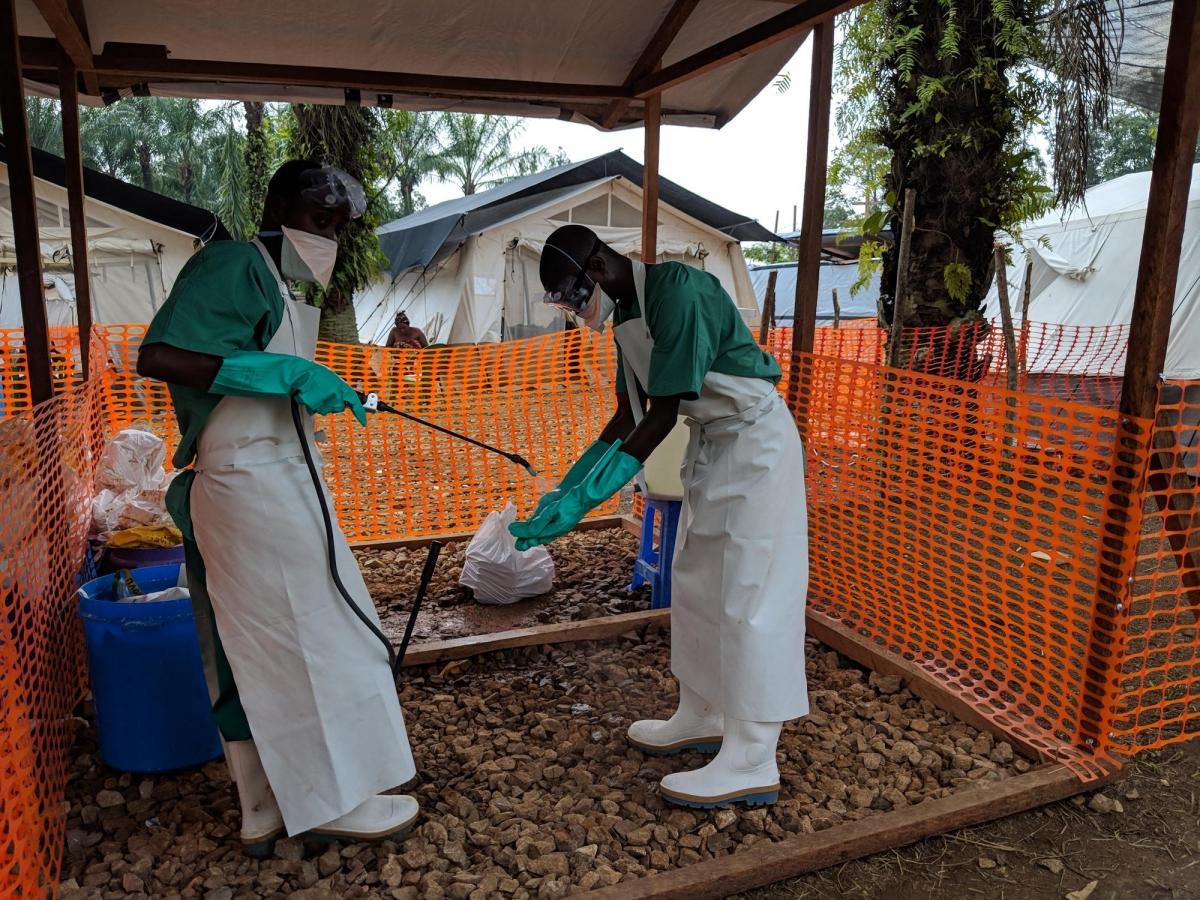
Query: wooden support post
x,y
650,179
24,208
837,310
1150,326
68,89
1166,210
1158,271
808,262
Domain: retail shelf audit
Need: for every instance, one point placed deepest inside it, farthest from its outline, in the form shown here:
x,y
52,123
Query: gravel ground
x,y
528,788
591,573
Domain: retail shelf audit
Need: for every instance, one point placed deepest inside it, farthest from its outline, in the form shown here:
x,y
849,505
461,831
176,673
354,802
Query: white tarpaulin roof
x,y
1087,274
520,57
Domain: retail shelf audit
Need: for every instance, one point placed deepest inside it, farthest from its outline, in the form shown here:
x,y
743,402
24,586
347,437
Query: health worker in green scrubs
x,y
740,570
303,693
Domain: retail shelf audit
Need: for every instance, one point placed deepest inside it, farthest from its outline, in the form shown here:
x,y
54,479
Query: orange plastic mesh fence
x,y
1158,684
960,526
46,472
974,530
1069,362
545,398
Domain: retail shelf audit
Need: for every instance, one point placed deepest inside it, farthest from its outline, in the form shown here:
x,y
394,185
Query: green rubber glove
x,y
575,474
254,373
611,473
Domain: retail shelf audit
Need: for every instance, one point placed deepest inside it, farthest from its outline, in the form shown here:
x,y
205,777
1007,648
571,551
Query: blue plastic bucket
x,y
152,707
117,558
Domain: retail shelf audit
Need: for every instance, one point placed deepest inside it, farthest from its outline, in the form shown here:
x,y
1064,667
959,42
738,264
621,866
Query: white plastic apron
x,y
740,574
315,684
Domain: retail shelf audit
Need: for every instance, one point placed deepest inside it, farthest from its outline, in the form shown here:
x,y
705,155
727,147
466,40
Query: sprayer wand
x,y
372,403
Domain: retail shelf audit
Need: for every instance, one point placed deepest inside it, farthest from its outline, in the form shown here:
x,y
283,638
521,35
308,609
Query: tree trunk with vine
x,y
346,137
953,153
257,159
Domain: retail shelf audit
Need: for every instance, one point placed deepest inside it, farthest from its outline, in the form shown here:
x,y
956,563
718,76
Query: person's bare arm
x,y
660,418
622,423
174,366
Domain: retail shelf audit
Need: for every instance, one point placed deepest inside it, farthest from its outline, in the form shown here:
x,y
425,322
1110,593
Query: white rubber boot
x,y
744,771
696,725
262,822
378,817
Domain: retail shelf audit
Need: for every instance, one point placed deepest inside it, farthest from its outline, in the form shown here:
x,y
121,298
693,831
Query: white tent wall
x,y
133,261
491,281
1088,273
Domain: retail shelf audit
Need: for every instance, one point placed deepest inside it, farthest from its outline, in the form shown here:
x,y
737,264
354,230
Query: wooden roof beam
x,y
68,23
795,21
651,57
152,67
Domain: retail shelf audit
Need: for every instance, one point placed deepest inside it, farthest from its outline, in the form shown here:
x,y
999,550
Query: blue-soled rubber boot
x,y
696,725
744,771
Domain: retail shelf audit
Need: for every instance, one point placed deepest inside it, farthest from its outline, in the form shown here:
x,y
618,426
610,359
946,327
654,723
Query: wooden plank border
x,y
627,522
558,633
765,864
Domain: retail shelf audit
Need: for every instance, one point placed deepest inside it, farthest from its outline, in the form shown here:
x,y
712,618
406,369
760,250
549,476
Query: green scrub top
x,y
697,329
225,299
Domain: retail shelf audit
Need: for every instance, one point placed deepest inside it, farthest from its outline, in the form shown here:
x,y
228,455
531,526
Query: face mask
x,y
599,308
305,257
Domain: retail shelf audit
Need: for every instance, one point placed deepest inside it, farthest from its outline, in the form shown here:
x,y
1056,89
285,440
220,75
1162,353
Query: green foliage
x,y
770,253
348,137
941,96
958,280
478,152
1124,145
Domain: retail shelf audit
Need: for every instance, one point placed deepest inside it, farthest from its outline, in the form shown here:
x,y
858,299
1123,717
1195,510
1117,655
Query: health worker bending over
x,y
303,693
741,558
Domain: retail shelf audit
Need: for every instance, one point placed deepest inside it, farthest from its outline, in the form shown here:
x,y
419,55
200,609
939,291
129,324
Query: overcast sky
x,y
754,165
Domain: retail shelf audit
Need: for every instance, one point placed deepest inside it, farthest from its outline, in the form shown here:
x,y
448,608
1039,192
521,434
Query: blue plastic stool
x,y
653,564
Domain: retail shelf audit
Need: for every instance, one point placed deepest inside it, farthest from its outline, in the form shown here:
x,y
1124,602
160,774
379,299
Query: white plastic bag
x,y
497,571
132,460
133,484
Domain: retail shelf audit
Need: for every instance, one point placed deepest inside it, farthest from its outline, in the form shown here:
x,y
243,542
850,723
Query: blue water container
x,y
152,707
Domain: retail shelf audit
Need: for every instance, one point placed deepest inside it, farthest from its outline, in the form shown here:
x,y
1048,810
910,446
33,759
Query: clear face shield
x,y
331,188
573,292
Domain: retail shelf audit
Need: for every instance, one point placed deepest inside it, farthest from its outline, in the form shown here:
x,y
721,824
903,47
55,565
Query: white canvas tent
x,y
466,271
137,243
1085,270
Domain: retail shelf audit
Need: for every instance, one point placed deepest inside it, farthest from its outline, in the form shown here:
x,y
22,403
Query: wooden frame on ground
x,y
767,863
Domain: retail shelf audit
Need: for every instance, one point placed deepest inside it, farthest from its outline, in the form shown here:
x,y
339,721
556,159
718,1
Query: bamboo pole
x,y
768,310
1011,365
1023,353
899,306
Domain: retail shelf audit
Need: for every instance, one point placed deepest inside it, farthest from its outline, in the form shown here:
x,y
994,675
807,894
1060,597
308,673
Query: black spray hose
x,y
372,402
395,660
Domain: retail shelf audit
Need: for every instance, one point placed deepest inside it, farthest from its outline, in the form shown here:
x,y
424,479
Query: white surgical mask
x,y
307,257
599,308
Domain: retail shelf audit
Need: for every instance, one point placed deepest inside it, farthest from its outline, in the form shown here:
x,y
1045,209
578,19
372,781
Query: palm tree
x,y
477,152
413,154
44,121
350,138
